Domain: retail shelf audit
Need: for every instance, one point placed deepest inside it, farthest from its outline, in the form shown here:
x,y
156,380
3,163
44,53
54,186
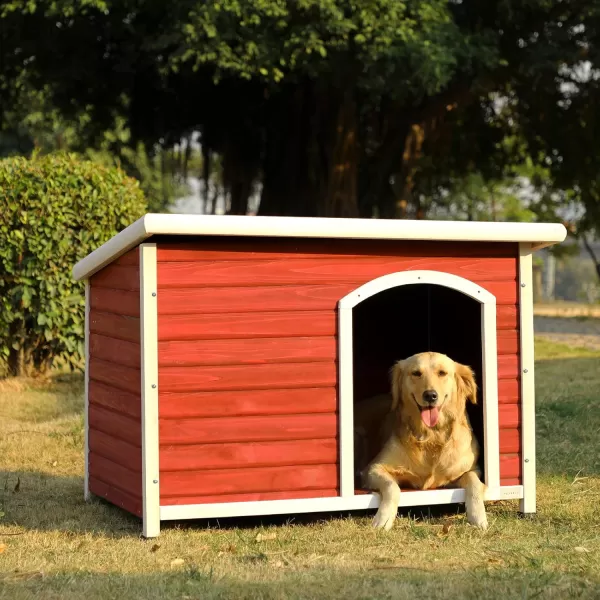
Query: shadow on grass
x,y
194,581
46,502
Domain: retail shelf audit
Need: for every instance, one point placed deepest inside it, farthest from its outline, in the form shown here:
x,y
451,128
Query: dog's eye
x,y
416,373
442,373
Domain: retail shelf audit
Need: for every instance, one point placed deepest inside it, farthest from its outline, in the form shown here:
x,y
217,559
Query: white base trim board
x,y
337,503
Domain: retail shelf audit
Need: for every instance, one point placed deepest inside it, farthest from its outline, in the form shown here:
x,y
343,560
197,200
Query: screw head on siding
x,y
153,293
153,386
523,285
156,480
526,460
525,370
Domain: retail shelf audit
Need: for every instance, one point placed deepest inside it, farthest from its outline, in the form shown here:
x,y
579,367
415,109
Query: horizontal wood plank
x,y
509,391
510,466
113,350
507,317
510,481
247,377
115,475
128,502
131,257
248,429
507,341
253,351
116,450
277,298
250,497
119,302
174,405
510,441
210,273
120,327
509,416
508,366
116,375
115,424
248,454
243,248
246,325
117,277
239,481
109,397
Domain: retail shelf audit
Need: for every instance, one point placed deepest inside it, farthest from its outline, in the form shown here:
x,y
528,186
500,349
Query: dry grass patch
x,y
55,546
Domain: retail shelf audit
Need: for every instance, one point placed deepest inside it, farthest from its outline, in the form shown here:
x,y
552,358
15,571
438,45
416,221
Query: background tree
x,y
337,107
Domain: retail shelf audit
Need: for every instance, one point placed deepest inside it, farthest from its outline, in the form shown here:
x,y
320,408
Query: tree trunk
x,y
342,181
592,254
413,147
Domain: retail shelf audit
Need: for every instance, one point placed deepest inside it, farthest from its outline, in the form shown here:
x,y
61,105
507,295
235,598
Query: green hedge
x,y
54,210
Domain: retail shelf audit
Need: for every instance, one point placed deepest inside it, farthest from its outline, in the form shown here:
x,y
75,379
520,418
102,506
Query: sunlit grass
x,y
56,546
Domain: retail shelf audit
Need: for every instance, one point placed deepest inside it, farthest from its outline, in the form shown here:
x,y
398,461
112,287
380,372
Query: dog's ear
x,y
396,377
465,383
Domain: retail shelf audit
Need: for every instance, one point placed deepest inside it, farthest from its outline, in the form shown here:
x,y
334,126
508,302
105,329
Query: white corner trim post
x,y
86,425
489,365
149,389
528,503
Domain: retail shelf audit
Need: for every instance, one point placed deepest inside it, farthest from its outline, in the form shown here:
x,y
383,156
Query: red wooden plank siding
x,y
246,377
251,351
246,325
250,497
243,248
248,429
283,298
175,405
242,454
117,302
128,502
114,437
244,480
114,424
247,355
295,271
113,350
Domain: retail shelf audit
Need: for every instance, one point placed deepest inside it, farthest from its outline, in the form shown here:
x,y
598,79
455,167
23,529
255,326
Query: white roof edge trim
x,y
538,234
400,278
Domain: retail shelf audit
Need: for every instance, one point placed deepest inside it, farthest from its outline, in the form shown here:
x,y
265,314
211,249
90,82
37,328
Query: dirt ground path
x,y
582,332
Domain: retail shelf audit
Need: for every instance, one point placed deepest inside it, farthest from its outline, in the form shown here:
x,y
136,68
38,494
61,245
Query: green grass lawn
x,y
53,545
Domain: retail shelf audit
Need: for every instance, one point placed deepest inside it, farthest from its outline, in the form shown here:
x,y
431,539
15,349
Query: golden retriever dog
x,y
420,437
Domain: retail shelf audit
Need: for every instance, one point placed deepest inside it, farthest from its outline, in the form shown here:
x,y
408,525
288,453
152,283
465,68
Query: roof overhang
x,y
539,235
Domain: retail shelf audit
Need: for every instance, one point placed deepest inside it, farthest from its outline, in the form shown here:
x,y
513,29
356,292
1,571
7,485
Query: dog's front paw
x,y
385,517
478,518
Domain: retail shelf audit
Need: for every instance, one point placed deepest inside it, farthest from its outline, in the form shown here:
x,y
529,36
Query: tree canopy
x,y
337,107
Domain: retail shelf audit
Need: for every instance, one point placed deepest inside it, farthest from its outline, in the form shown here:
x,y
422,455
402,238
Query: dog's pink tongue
x,y
430,416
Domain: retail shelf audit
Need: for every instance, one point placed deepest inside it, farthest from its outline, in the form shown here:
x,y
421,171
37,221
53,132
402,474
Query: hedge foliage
x,y
54,210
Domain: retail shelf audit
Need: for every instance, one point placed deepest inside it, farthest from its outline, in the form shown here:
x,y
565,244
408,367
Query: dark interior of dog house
x,y
408,319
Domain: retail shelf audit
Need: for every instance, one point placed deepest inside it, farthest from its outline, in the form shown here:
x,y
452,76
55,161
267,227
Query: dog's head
x,y
432,388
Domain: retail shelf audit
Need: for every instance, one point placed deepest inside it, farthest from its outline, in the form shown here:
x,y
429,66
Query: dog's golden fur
x,y
421,441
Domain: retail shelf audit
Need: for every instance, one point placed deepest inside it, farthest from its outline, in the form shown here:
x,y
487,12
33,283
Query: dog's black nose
x,y
430,396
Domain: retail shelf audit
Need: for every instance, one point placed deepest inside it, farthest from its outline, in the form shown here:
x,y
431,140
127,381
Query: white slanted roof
x,y
538,235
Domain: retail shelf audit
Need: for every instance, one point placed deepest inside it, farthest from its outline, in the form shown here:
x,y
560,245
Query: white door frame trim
x,y
489,385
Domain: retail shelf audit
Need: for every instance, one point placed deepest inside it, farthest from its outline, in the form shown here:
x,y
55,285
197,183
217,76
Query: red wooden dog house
x,y
224,355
